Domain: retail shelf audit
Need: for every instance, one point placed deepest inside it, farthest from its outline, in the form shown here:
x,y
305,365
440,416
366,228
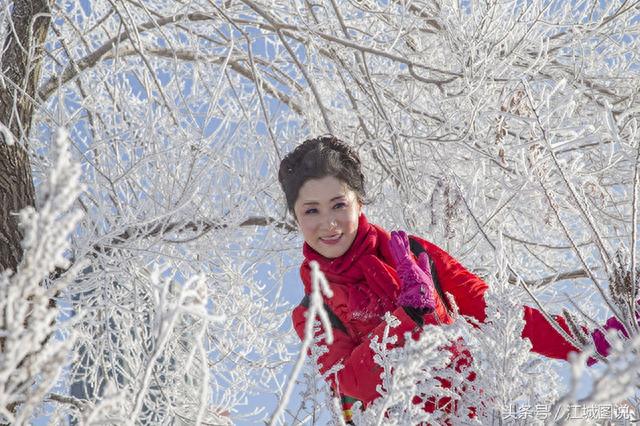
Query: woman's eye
x,y
340,205
311,211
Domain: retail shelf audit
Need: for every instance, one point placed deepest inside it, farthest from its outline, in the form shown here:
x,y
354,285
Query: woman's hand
x,y
416,289
600,341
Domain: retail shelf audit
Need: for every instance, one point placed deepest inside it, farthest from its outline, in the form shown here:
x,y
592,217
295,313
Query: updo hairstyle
x,y
318,158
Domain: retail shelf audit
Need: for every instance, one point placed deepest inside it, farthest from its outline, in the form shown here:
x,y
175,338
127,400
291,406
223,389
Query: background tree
x,y
483,120
21,63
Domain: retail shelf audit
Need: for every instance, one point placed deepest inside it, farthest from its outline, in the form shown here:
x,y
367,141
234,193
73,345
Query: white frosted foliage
x,y
33,354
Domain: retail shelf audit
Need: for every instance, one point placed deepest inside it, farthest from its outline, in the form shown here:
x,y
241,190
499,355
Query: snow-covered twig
x,y
32,355
319,287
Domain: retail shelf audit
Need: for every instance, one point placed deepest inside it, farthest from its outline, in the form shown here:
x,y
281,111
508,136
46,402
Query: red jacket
x,y
365,286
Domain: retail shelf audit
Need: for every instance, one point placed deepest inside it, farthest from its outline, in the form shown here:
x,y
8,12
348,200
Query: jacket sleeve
x,y
468,292
360,374
545,340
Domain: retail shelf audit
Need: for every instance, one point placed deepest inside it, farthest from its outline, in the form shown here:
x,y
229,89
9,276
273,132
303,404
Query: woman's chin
x,y
331,251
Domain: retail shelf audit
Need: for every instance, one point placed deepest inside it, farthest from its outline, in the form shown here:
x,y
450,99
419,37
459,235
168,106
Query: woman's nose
x,y
330,222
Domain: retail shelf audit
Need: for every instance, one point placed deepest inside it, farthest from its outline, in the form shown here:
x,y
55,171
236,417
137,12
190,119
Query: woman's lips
x,y
333,240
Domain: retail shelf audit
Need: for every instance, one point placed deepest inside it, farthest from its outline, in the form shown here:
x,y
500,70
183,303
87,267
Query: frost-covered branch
x,y
32,354
319,287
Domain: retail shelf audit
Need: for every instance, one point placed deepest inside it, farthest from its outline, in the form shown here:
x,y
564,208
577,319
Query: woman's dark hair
x,y
318,158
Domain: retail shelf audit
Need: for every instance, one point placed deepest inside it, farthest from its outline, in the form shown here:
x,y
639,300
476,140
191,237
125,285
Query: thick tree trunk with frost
x,y
21,63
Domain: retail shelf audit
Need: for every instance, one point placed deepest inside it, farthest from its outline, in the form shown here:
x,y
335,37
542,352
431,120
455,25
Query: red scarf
x,y
363,279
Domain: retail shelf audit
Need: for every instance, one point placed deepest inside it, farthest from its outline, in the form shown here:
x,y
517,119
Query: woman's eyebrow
x,y
306,203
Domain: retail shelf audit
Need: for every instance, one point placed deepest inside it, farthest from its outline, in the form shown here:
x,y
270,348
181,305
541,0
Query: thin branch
x,y
586,267
294,57
539,283
69,400
161,229
603,252
90,60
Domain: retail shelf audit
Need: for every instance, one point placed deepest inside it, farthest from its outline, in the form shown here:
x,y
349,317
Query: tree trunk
x,y
21,64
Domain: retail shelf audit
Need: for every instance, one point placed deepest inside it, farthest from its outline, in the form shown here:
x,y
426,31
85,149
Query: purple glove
x,y
601,344
416,289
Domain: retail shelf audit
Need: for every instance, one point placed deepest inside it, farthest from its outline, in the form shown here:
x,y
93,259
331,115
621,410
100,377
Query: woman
x,y
372,272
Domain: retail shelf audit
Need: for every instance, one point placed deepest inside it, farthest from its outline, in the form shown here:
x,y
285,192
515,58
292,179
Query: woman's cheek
x,y
353,218
309,226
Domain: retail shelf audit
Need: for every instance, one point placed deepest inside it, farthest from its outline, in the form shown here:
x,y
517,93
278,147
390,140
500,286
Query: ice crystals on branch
x,y
180,305
507,373
617,382
319,286
409,374
173,350
5,134
32,356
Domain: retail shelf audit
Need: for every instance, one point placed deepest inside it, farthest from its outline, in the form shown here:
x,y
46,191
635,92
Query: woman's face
x,y
327,212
